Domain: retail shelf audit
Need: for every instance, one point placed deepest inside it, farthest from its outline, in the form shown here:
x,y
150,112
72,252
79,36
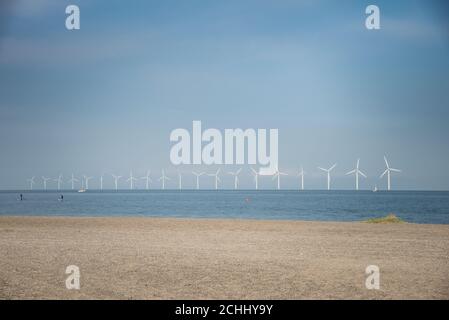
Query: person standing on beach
x,y
21,197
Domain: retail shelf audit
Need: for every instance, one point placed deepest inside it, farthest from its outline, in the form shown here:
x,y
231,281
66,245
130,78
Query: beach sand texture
x,y
157,258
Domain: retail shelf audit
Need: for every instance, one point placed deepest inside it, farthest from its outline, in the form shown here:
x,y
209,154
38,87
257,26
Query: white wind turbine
x,y
72,181
328,175
101,181
236,178
217,178
163,178
116,179
198,175
44,179
31,181
147,179
388,172
86,181
278,175
356,171
256,175
59,181
301,175
131,180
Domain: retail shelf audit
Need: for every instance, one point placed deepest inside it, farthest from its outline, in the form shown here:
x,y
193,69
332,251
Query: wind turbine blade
x,y
384,173
330,169
350,172
395,170
254,171
238,171
362,174
322,169
386,162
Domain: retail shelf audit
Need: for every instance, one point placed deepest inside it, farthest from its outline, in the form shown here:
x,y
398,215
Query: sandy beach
x,y
154,258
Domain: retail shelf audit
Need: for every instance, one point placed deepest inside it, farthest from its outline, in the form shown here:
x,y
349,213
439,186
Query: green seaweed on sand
x,y
391,218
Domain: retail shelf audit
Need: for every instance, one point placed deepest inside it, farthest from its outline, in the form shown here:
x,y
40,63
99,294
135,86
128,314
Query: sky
x,y
104,99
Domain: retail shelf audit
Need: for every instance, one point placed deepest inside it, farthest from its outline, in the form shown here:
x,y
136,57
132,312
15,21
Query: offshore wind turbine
x,y
31,181
278,175
357,171
147,180
198,175
44,179
301,175
131,180
116,179
236,178
256,175
72,181
328,171
59,181
86,181
217,178
163,178
388,172
101,181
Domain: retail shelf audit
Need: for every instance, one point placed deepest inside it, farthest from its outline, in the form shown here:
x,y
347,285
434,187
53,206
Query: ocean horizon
x,y
428,207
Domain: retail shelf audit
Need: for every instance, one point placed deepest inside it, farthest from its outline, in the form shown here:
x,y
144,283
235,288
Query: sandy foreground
x,y
153,258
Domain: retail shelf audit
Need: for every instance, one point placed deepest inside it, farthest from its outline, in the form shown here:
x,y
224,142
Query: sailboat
x,y
375,188
82,186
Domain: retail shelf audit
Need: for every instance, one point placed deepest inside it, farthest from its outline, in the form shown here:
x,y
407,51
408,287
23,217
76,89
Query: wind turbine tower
x,y
217,178
163,178
301,175
131,180
116,179
357,171
86,180
236,178
198,175
31,181
256,175
388,172
72,181
44,179
147,179
278,175
328,171
59,181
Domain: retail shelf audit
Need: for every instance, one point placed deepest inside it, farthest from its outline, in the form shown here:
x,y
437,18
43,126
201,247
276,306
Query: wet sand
x,y
154,258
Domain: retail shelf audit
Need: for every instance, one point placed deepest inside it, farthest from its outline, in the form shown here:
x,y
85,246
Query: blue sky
x,y
104,99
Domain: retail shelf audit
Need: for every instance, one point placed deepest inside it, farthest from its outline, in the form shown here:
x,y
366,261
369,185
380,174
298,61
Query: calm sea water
x,y
413,206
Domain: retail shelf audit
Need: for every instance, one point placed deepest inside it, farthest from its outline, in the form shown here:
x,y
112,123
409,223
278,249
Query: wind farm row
x,y
82,183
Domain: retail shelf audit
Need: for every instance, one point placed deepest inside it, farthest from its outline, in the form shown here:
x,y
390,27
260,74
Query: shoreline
x,y
211,219
143,257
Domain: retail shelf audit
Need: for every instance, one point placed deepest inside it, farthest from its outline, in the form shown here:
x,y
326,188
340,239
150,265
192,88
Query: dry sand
x,y
152,258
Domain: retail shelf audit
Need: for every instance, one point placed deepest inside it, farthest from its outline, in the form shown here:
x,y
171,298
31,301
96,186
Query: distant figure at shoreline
x,y
21,197
61,198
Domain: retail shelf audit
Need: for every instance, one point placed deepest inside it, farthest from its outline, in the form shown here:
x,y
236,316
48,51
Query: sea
x,y
430,207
